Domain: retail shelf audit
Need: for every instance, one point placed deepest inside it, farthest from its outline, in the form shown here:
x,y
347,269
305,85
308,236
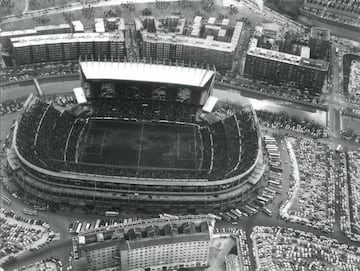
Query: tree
x,y
146,12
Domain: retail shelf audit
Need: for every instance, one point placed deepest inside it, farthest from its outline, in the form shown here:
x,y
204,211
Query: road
x,y
72,7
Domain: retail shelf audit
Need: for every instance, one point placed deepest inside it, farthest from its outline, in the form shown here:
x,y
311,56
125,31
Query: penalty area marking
x,y
190,146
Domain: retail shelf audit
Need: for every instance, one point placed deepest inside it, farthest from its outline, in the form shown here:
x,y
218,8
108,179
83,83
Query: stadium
x,y
144,136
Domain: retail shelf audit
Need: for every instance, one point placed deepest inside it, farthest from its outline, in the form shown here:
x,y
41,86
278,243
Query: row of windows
x,y
53,194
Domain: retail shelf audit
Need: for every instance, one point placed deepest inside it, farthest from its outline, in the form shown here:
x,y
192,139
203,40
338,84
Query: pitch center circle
x,y
141,143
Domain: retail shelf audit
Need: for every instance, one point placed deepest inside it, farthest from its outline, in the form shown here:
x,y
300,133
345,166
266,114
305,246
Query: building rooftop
x,y
78,26
320,33
237,32
99,25
225,22
165,240
67,37
119,21
284,57
18,33
197,19
211,20
190,41
146,73
52,27
305,51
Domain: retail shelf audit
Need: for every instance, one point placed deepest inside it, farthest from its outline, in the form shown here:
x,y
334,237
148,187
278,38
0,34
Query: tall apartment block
x,y
6,36
207,43
151,245
34,49
319,42
265,61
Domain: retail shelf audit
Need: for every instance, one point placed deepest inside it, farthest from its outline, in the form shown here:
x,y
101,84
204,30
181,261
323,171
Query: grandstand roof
x,y
160,73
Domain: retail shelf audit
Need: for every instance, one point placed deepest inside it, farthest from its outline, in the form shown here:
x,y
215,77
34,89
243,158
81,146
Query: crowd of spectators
x,y
74,136
60,134
15,105
28,128
206,151
48,137
144,110
26,72
283,121
220,149
235,143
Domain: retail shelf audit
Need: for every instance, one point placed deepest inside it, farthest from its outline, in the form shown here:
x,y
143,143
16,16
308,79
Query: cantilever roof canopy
x,y
210,104
159,73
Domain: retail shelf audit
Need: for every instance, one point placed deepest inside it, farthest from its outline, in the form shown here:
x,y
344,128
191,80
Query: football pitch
x,y
141,145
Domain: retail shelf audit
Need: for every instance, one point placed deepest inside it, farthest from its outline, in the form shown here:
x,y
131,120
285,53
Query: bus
x,y
78,228
215,216
87,227
276,168
97,224
74,227
41,207
267,211
262,198
274,182
6,200
260,203
29,211
231,215
225,217
233,211
111,213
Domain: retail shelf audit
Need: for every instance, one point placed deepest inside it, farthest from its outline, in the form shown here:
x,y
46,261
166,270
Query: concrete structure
x,y
56,47
210,188
153,244
319,42
122,71
5,36
203,50
278,67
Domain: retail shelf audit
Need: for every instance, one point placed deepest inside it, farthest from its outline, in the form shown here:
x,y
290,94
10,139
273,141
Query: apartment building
x,y
207,44
161,244
266,64
56,47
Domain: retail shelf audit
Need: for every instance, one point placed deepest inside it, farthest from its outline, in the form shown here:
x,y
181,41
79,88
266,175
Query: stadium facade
x,y
140,141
